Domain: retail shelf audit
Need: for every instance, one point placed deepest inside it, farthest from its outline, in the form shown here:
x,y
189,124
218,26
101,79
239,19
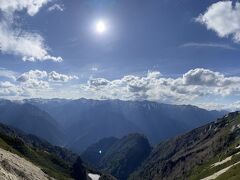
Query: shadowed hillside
x,y
203,152
119,157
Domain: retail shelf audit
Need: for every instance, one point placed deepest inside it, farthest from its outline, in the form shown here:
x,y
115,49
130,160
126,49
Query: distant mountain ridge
x,y
76,124
85,121
30,119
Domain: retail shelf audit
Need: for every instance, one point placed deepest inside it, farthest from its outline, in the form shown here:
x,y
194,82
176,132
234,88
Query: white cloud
x,y
31,6
203,77
57,77
32,74
36,84
222,18
30,46
202,87
195,84
33,79
230,106
98,82
35,75
9,89
7,74
191,86
58,7
94,69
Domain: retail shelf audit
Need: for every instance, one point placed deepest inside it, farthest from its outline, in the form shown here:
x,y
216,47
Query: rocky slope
x,y
54,161
13,167
208,152
28,157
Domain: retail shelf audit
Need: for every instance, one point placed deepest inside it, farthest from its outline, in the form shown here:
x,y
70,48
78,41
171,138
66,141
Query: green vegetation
x,y
231,174
206,170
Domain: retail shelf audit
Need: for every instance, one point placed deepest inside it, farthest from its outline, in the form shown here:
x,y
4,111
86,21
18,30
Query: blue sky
x,y
167,51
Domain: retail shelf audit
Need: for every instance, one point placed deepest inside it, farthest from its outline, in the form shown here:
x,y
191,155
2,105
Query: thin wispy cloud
x,y
7,74
207,45
57,7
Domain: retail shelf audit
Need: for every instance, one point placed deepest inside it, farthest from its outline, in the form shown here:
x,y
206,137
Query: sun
x,y
101,27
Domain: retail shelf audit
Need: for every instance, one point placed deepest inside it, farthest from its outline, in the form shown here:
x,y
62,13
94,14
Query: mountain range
x,y
128,139
84,121
208,152
30,119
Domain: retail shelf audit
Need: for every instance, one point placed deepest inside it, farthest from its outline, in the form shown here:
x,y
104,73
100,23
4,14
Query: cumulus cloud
x,y
34,83
194,84
36,75
98,82
58,7
191,86
30,46
32,74
9,89
58,77
223,18
129,87
202,87
203,77
33,79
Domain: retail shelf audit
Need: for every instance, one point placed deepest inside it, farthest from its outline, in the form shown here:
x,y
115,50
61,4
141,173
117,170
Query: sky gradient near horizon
x,y
180,52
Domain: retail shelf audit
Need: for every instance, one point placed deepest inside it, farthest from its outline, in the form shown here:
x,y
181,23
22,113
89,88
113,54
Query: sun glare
x,y
101,27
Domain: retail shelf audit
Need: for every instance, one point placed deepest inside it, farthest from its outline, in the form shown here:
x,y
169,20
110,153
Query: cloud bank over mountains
x,y
31,83
194,86
15,40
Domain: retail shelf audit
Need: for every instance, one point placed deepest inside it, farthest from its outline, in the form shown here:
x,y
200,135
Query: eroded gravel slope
x,y
13,167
